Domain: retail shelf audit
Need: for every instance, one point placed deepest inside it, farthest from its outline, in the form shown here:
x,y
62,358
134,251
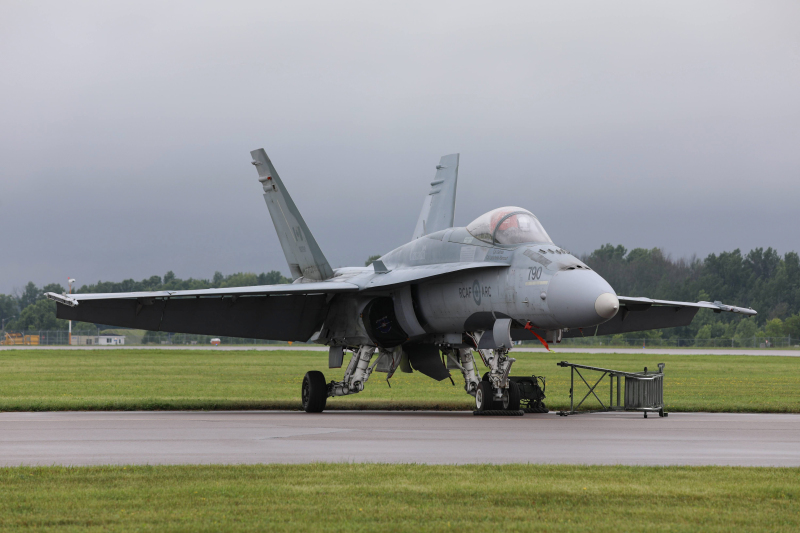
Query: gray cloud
x,y
126,127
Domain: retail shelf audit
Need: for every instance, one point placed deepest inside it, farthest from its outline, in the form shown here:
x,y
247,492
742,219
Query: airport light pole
x,y
70,281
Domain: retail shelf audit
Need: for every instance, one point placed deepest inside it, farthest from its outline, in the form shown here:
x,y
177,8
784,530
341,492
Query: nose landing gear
x,y
499,394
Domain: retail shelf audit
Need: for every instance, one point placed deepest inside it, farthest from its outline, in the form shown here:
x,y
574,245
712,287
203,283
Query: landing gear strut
x,y
463,360
315,391
357,373
497,391
501,394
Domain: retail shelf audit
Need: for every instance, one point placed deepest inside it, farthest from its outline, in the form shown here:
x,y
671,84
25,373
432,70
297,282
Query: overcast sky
x,y
126,127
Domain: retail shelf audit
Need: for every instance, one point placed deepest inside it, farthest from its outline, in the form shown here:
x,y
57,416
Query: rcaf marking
x,y
477,292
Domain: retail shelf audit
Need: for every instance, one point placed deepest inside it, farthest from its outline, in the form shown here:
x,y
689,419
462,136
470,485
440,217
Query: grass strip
x,y
49,380
381,497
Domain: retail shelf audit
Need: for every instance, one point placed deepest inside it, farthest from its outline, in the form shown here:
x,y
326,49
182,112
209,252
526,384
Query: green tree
x,y
37,317
704,333
371,259
774,328
30,294
273,277
791,327
53,287
745,331
8,308
240,279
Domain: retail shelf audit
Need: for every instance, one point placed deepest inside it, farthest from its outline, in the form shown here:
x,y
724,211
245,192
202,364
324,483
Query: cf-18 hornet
x,y
426,306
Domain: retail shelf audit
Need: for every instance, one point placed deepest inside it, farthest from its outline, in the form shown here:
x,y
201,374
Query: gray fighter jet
x,y
425,306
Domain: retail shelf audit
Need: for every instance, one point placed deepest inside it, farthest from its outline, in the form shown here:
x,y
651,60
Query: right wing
x,y
276,312
291,312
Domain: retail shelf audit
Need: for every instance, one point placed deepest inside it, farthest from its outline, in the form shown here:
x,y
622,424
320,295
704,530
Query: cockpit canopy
x,y
508,225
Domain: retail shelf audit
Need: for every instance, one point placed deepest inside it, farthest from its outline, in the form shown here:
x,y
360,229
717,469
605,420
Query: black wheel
x,y
315,392
485,377
484,397
511,397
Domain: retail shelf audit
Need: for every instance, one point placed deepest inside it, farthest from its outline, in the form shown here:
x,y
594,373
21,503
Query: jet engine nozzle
x,y
581,298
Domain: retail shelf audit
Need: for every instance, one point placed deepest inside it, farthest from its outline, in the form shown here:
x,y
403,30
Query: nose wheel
x,y
511,397
484,397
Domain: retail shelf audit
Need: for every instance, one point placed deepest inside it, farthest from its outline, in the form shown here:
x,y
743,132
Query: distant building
x,y
98,340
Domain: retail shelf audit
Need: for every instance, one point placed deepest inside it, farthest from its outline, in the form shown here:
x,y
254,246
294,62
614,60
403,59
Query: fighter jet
x,y
426,306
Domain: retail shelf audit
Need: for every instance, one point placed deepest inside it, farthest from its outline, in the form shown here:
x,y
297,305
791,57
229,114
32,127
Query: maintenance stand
x,y
644,391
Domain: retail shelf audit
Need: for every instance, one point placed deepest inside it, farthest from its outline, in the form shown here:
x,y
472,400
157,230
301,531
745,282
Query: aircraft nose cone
x,y
606,305
581,298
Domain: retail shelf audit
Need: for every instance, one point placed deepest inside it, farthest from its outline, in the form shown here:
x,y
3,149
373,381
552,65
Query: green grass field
x,y
34,380
369,497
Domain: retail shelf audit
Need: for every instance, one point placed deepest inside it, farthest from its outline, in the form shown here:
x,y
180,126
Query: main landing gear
x,y
496,394
315,391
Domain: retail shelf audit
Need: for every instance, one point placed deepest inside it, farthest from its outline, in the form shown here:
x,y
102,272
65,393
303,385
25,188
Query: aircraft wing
x,y
717,307
290,312
640,314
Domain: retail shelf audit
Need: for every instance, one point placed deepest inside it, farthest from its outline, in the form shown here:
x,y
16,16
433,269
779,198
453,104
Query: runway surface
x,y
555,349
91,438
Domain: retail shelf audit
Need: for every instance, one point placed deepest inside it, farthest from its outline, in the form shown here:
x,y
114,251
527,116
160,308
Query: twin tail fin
x,y
302,252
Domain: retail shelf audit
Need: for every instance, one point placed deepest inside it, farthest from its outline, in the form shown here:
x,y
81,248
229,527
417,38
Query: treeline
x,y
29,310
762,279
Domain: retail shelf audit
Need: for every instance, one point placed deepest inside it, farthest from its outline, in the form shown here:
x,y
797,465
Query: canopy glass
x,y
508,225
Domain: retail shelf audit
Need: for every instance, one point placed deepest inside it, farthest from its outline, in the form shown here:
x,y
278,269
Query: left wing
x,y
640,314
275,312
717,307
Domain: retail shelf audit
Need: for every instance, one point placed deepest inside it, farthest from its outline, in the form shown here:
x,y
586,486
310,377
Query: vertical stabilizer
x,y
439,207
300,248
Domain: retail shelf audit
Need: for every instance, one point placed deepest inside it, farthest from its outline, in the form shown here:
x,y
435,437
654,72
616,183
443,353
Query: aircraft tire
x,y
314,394
484,397
511,399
